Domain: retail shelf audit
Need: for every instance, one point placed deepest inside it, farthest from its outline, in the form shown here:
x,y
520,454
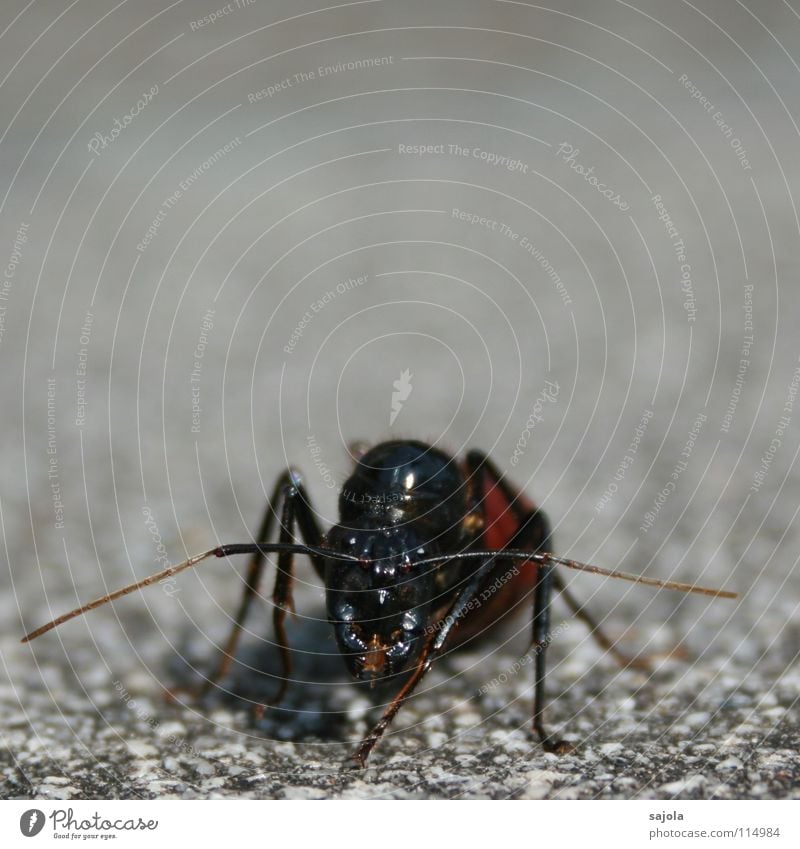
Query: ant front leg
x,y
529,530
541,639
534,534
288,494
297,513
430,650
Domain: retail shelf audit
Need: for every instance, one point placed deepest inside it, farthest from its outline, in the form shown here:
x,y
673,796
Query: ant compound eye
x,y
340,610
413,622
350,637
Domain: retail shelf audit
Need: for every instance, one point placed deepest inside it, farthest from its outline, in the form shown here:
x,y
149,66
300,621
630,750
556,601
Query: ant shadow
x,y
321,700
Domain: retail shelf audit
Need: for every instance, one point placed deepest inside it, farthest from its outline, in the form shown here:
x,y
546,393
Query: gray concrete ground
x,y
223,244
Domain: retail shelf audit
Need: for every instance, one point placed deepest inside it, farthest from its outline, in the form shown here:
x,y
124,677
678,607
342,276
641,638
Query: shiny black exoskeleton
x,y
415,546
405,502
413,550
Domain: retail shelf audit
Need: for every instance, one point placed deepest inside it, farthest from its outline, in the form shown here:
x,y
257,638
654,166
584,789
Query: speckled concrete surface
x,y
680,733
147,471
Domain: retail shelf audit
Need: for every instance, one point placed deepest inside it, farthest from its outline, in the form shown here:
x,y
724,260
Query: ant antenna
x,y
221,551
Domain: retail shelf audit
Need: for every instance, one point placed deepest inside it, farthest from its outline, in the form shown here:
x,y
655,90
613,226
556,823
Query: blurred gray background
x,y
601,195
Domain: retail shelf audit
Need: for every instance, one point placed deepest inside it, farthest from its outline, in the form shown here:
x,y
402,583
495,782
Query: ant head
x,y
380,607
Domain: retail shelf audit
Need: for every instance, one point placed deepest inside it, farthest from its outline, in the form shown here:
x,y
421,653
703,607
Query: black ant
x,y
418,562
